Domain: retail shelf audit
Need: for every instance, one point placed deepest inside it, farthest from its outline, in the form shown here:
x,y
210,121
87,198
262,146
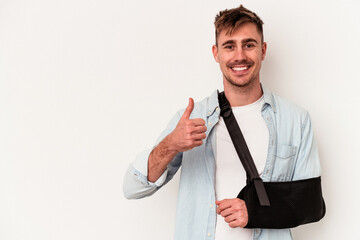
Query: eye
x,y
230,47
249,45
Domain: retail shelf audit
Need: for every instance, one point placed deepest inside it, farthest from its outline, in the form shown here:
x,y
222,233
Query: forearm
x,y
136,184
188,133
160,157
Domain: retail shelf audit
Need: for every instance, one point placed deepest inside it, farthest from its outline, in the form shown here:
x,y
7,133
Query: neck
x,y
241,96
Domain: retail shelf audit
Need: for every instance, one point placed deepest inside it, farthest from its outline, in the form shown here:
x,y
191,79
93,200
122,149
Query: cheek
x,y
223,59
223,64
258,57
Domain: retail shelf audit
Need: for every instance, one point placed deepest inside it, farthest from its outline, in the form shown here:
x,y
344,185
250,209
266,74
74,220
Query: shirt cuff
x,y
141,169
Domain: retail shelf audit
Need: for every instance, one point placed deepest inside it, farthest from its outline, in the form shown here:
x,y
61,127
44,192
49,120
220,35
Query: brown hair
x,y
231,19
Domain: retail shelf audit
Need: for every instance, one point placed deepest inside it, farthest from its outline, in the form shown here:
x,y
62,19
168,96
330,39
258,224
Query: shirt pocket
x,y
284,163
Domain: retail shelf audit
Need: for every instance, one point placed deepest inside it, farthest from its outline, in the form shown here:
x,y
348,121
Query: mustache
x,y
243,62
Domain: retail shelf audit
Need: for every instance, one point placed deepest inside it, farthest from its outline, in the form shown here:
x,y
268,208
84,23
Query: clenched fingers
x,y
198,121
198,136
222,205
230,218
226,212
200,129
234,212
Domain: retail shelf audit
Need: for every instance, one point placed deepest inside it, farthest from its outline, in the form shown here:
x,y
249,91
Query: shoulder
x,y
288,109
291,121
283,104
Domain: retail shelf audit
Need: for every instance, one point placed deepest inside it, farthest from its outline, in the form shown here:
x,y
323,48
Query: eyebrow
x,y
228,42
247,40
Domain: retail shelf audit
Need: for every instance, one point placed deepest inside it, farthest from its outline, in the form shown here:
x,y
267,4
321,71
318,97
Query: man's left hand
x,y
234,212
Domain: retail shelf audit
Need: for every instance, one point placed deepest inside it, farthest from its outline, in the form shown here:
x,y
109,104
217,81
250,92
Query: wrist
x,y
170,144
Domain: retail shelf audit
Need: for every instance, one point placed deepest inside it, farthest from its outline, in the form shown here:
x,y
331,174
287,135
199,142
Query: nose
x,y
239,55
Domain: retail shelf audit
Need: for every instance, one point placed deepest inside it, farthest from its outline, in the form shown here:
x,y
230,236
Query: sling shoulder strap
x,y
242,149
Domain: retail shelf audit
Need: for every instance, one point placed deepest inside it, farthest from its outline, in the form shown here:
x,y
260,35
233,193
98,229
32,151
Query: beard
x,y
249,82
243,85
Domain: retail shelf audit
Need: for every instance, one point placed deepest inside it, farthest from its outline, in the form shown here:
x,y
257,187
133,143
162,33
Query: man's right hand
x,y
188,133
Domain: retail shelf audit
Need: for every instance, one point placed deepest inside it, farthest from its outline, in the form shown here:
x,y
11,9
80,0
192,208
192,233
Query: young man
x,y
278,134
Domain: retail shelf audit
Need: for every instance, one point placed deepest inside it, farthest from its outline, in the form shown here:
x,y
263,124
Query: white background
x,y
87,84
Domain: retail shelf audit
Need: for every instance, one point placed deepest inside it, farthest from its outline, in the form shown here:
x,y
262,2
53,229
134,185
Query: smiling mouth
x,y
239,69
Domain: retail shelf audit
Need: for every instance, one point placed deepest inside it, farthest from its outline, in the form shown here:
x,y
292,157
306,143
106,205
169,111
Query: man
x,y
278,134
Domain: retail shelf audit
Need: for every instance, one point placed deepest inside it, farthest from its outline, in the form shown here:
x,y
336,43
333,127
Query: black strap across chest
x,y
242,149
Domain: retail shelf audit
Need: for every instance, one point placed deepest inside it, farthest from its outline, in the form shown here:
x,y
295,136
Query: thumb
x,y
189,109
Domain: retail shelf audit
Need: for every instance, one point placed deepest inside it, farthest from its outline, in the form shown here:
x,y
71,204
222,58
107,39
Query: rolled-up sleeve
x,y
136,184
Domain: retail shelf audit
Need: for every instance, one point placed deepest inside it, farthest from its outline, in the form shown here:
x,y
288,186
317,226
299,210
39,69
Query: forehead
x,y
244,31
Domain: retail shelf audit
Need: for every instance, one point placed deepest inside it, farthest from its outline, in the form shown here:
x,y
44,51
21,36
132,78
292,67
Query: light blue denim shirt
x,y
292,155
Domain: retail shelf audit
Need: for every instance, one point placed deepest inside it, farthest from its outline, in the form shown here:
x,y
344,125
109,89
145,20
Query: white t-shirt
x,y
230,176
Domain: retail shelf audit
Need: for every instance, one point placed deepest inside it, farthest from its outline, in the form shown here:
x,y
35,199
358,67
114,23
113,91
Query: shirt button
x,y
211,206
209,234
210,124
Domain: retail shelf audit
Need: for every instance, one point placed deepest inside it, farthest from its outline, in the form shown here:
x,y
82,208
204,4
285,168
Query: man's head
x,y
240,48
230,19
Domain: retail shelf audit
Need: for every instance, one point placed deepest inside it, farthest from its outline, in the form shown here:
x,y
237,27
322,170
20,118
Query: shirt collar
x,y
213,103
269,98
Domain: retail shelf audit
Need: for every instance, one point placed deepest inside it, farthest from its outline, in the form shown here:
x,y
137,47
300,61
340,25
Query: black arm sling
x,y
272,205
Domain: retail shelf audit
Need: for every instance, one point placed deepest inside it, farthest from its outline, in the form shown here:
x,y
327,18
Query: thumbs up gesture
x,y
188,133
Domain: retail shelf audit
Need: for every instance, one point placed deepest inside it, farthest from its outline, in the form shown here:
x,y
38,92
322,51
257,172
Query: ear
x,y
263,50
215,53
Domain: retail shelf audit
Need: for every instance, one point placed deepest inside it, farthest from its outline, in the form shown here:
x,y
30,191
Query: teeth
x,y
239,68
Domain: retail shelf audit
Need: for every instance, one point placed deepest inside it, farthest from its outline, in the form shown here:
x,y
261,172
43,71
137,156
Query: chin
x,y
241,83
